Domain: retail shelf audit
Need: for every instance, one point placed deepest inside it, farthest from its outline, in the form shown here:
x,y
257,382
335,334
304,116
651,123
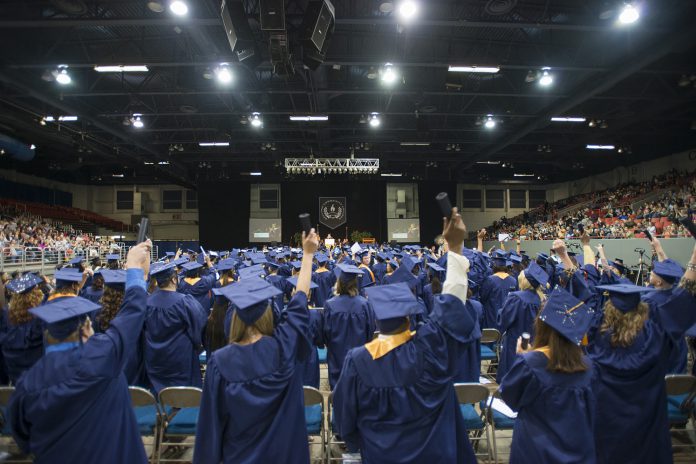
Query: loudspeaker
x,y
272,15
239,34
280,55
318,22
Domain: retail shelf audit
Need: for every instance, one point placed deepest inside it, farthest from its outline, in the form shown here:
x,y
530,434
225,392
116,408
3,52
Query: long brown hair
x,y
21,303
564,356
227,278
111,302
348,287
239,330
624,327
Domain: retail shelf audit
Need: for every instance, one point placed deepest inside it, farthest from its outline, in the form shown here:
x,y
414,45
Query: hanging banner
x,y
332,211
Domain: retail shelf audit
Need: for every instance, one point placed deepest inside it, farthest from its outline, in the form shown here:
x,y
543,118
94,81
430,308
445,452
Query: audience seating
x,y
183,404
477,425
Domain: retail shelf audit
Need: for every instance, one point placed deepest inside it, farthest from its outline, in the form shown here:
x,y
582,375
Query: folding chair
x,y
7,443
331,439
681,393
180,423
468,395
490,352
498,421
314,417
149,416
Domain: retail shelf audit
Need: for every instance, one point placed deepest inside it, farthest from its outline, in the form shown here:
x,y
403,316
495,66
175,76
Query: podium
x,y
329,242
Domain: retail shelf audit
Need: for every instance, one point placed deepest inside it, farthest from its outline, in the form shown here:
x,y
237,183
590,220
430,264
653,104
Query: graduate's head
x,y
624,312
561,325
293,281
98,281
393,305
437,275
347,279
665,274
68,280
251,300
114,288
321,259
66,319
25,293
193,269
164,275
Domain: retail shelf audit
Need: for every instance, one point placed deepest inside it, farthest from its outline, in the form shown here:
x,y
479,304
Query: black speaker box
x,y
272,15
239,34
318,23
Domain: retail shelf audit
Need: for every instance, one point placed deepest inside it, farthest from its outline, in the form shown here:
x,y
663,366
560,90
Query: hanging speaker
x,y
272,15
318,23
239,34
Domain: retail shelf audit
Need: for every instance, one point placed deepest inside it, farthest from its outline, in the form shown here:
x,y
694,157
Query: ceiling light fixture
x,y
391,174
523,175
309,118
546,78
137,121
255,173
490,122
474,69
46,119
62,76
223,73
568,119
121,68
389,74
629,14
213,144
599,147
415,144
256,120
374,120
408,9
178,7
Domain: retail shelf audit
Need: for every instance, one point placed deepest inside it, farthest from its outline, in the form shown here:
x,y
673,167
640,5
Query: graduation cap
x,y
180,262
226,265
76,261
473,285
200,259
536,275
113,257
516,259
293,281
114,278
402,274
67,276
668,270
408,263
543,256
169,254
296,265
321,258
272,264
362,252
625,297
345,272
250,298
64,315
391,303
567,315
24,283
500,261
381,256
437,269
259,260
163,272
252,271
192,266
618,266
394,263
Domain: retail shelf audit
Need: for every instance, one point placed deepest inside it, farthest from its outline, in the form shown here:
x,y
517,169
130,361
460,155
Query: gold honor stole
x,y
372,276
380,347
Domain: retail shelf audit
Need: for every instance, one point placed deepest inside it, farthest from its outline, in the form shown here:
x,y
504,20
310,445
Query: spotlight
x,y
256,120
374,120
178,7
62,76
408,10
546,79
389,75
629,14
592,123
137,121
490,122
223,73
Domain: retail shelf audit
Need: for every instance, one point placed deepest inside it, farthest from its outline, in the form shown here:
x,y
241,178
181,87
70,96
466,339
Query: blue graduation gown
x,y
310,372
201,290
555,413
493,292
173,337
252,406
631,424
73,405
379,269
91,293
428,297
325,282
515,317
22,345
401,407
678,356
348,322
281,283
469,365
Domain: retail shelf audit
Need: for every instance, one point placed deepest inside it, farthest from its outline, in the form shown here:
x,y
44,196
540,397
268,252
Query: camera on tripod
x,y
639,250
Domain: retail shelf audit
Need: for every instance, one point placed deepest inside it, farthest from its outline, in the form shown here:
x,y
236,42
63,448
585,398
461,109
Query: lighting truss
x,y
314,166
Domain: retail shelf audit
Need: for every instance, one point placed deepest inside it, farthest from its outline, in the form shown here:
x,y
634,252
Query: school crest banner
x,y
332,211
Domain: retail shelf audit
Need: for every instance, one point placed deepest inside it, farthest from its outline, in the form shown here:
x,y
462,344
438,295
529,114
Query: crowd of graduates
x,y
400,325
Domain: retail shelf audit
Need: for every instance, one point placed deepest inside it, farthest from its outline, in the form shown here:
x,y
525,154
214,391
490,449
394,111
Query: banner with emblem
x,y
332,211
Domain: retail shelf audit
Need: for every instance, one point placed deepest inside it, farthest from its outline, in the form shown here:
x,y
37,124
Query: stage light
x,y
223,73
408,9
309,118
546,79
213,144
46,119
137,121
178,7
629,14
389,74
474,69
255,173
256,120
523,175
121,69
599,147
568,119
374,120
62,76
490,122
32,147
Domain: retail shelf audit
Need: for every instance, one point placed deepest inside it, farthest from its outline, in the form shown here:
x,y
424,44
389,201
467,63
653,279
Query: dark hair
x,y
111,302
227,277
435,284
215,329
565,357
347,287
497,269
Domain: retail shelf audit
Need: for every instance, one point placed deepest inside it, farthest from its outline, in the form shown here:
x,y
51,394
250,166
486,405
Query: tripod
x,y
642,267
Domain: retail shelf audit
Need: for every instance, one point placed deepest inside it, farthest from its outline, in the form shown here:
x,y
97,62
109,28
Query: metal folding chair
x,y
490,352
681,413
149,416
7,442
498,421
182,405
470,395
331,438
315,419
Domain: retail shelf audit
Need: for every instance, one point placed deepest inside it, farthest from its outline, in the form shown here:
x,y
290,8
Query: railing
x,y
20,258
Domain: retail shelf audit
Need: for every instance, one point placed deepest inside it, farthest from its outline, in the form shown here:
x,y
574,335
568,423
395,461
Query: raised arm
x,y
587,249
479,239
657,247
456,282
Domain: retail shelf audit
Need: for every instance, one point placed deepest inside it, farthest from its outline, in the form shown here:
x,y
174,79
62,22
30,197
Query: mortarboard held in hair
x,y
24,283
625,297
114,278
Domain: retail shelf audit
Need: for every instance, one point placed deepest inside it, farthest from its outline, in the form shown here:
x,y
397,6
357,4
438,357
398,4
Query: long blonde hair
x,y
526,285
239,330
623,326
